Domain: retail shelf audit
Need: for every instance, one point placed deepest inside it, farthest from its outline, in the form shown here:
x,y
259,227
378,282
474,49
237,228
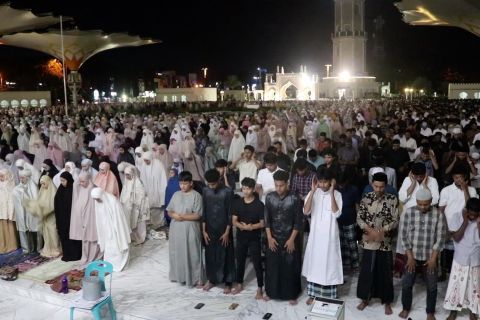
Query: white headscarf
x,y
154,179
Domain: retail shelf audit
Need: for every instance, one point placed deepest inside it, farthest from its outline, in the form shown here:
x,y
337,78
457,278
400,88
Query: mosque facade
x,y
347,78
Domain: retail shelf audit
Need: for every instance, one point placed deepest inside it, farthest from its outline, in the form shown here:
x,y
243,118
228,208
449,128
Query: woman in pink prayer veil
x,y
106,180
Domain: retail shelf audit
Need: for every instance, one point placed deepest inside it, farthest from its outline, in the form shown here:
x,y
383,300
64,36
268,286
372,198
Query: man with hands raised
x,y
322,265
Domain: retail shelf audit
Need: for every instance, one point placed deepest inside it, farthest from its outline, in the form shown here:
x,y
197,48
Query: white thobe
x,y
322,263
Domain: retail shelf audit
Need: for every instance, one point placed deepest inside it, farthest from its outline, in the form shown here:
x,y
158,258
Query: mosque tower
x,y
349,38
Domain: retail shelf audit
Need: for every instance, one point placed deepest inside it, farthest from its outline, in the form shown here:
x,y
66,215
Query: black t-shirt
x,y
249,213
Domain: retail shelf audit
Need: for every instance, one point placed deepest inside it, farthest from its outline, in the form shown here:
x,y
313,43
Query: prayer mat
x,y
74,278
48,270
31,263
15,257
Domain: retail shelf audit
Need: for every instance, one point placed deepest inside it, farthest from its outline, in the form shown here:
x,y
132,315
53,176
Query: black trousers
x,y
244,245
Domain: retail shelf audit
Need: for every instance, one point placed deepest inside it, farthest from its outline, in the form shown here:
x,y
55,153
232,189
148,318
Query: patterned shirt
x,y
302,185
379,213
423,232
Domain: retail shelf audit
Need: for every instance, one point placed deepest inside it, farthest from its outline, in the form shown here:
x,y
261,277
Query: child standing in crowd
x,y
185,244
248,218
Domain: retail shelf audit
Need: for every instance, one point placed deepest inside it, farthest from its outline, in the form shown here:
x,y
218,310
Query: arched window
x,y
463,95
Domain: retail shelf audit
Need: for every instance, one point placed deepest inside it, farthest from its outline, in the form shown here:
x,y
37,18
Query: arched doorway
x,y
291,92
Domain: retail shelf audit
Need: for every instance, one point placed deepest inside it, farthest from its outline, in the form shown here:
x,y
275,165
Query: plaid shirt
x,y
302,185
423,232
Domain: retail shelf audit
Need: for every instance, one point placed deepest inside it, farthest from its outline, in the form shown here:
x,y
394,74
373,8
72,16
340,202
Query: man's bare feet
x,y
452,315
266,298
309,301
259,295
199,285
237,289
362,305
404,314
227,290
431,316
388,309
293,302
208,286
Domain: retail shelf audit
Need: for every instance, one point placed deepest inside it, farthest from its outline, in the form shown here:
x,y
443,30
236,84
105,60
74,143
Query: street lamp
x,y
204,72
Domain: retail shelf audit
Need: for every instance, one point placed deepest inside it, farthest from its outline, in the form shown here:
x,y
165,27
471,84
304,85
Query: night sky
x,y
235,37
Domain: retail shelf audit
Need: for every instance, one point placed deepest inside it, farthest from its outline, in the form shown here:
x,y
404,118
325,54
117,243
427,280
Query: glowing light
x,y
96,94
345,76
428,14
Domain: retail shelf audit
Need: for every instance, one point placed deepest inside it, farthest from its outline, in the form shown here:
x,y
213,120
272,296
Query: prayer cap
x,y
423,195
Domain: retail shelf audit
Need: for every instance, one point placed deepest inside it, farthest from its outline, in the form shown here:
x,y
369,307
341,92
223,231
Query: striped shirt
x,y
423,232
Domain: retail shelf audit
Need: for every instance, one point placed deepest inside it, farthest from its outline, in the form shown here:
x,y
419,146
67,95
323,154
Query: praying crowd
x,y
373,188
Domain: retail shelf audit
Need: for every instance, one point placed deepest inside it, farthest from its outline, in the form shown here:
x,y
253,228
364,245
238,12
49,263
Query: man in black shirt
x,y
247,217
284,161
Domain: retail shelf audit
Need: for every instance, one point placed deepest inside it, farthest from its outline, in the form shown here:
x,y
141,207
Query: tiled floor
x,y
143,291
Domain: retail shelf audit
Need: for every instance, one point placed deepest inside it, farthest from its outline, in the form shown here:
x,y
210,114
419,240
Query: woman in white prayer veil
x,y
176,142
135,203
43,208
165,158
147,139
87,168
252,138
138,157
64,141
154,179
10,164
121,170
37,147
237,146
112,228
23,138
71,168
99,142
22,164
8,231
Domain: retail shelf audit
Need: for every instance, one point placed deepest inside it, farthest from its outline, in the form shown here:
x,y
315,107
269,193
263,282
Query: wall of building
x,y
464,91
186,94
237,95
25,99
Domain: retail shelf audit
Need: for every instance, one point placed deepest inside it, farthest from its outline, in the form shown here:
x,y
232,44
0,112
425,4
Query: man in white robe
x,y
322,265
27,224
152,174
112,228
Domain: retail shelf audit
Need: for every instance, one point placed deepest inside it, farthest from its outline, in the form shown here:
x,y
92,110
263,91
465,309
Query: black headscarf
x,y
52,172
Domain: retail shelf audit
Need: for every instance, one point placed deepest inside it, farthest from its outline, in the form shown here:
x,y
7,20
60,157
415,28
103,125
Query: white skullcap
x,y
456,131
475,155
377,170
423,195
